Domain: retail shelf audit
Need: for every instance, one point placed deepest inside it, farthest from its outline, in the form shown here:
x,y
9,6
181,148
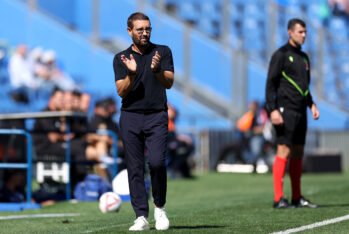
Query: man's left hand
x,y
155,61
315,111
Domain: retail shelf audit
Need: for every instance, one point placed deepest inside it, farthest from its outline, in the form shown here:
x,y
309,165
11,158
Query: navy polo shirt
x,y
147,93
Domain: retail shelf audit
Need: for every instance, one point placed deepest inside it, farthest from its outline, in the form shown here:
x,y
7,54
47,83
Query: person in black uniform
x,y
287,99
50,138
99,146
143,72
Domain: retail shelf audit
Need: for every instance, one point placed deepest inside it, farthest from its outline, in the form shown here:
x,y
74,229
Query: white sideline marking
x,y
30,216
314,225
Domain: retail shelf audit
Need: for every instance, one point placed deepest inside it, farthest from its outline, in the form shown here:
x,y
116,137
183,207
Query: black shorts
x,y
294,129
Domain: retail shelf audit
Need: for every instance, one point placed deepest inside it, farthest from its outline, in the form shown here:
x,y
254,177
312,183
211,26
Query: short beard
x,y
139,44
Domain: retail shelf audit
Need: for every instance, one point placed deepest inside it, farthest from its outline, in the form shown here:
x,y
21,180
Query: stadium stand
x,y
221,50
249,24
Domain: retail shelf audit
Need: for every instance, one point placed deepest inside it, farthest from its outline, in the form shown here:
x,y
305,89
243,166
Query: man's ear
x,y
129,31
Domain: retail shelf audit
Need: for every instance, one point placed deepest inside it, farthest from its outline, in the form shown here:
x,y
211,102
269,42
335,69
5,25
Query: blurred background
x,y
221,51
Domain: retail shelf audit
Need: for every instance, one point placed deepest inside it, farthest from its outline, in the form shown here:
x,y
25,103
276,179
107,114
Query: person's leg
x,y
256,147
285,139
296,162
295,170
156,132
131,125
279,169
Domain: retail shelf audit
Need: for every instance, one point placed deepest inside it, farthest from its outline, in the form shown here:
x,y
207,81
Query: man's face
x,y
76,102
140,33
68,101
297,35
57,101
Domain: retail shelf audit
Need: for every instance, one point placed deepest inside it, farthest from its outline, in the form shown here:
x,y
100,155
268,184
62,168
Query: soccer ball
x,y
109,202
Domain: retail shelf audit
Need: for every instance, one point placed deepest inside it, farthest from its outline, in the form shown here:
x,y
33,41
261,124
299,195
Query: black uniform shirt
x,y
99,122
42,127
147,93
288,80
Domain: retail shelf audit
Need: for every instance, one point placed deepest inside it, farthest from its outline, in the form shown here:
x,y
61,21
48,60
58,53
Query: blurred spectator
x,y
34,61
13,189
85,101
68,99
324,13
36,70
252,125
339,7
55,102
76,100
99,146
21,77
180,148
39,70
19,69
50,138
112,110
53,74
71,102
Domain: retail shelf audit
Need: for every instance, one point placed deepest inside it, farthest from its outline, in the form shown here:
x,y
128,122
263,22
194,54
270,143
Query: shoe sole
x,y
145,229
162,229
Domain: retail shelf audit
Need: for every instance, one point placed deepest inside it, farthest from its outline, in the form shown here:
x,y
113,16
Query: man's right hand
x,y
129,63
276,117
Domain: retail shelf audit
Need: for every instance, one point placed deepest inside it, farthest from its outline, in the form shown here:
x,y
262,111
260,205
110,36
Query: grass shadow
x,y
332,205
197,227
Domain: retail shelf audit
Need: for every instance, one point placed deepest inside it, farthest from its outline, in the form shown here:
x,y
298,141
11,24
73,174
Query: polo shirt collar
x,y
149,48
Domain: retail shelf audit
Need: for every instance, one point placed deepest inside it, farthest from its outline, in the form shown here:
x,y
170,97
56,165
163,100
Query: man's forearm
x,y
166,78
124,86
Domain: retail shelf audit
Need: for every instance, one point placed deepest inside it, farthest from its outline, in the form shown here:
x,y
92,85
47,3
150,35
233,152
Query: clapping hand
x,y
155,61
129,63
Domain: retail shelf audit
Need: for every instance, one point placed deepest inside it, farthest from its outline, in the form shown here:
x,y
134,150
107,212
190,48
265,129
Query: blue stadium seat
x,y
188,11
338,28
211,10
235,11
255,11
314,15
209,26
293,11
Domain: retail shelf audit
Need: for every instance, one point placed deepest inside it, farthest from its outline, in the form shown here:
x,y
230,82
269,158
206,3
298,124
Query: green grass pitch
x,y
212,203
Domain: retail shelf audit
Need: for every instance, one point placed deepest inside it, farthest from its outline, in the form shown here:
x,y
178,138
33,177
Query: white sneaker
x,y
140,224
161,220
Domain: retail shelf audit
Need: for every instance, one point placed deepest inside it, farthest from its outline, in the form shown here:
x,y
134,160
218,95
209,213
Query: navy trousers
x,y
145,139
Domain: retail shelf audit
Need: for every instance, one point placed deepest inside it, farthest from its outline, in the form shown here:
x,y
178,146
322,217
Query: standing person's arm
x,y
166,78
311,104
124,86
125,71
273,82
163,68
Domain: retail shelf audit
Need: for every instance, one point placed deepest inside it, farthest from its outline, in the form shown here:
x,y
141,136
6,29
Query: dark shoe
x,y
282,203
302,202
